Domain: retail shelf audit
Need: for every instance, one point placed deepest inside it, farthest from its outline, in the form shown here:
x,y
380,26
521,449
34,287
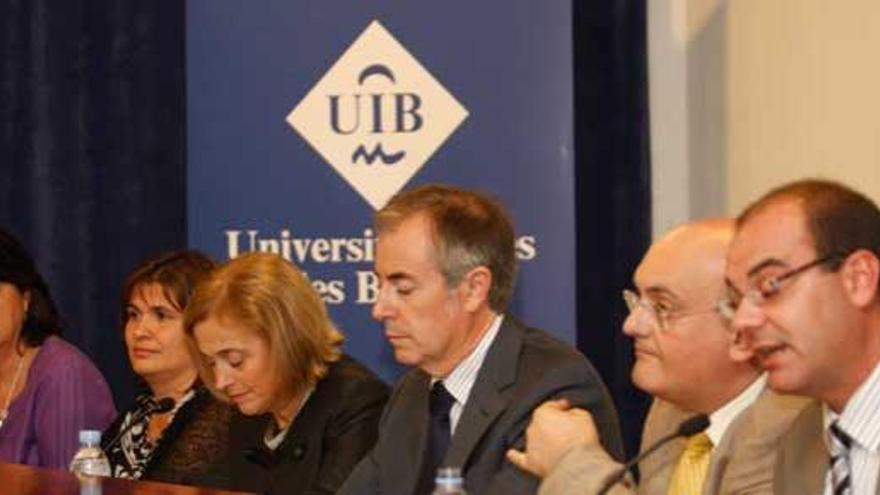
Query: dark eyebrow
x,y
765,264
397,276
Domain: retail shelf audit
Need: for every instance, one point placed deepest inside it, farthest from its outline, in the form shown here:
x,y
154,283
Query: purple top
x,y
64,393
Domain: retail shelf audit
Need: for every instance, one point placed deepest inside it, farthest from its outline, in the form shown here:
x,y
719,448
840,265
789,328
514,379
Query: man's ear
x,y
861,274
475,288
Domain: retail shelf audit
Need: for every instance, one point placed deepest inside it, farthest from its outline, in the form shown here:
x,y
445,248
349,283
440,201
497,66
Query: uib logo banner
x,y
304,117
377,115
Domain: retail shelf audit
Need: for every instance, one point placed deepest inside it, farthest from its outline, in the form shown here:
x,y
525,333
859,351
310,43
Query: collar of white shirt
x,y
858,418
461,380
721,419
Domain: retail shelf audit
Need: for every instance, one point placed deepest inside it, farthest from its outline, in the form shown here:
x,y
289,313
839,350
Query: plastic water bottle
x,y
449,482
90,460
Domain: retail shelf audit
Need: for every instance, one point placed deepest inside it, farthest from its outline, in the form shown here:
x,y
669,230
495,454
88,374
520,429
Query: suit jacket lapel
x,y
486,401
656,469
414,397
803,460
815,455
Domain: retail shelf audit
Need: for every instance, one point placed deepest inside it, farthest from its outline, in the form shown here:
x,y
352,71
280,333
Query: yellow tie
x,y
690,472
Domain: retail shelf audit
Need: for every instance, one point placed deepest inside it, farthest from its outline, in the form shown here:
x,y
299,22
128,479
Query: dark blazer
x,y
192,449
335,428
523,368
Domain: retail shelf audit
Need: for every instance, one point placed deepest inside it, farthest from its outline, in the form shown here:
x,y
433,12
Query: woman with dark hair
x,y
186,442
49,390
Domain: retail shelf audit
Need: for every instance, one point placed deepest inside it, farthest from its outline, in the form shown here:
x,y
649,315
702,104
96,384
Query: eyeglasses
x,y
769,287
660,314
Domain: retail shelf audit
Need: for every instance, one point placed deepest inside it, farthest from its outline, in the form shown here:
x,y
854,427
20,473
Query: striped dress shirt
x,y
461,380
859,421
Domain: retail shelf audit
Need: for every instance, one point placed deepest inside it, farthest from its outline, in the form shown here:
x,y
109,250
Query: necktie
x,y
839,463
690,472
439,428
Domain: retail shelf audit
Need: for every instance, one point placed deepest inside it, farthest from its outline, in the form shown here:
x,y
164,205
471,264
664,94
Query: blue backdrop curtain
x,y
92,172
92,141
613,190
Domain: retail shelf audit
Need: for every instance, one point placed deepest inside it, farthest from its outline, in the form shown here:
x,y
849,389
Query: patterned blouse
x,y
130,455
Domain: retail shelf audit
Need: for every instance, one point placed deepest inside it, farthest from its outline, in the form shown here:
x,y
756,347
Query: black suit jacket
x,y
337,426
523,368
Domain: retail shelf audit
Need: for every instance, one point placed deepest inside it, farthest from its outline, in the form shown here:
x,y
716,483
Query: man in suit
x,y
683,358
446,265
803,275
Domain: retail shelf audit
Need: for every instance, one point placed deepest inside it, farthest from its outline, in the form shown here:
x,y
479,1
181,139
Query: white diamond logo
x,y
377,115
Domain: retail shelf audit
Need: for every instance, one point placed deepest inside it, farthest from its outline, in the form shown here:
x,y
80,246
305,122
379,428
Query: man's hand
x,y
555,428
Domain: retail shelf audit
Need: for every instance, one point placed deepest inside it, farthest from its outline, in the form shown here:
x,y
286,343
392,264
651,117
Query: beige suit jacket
x,y
742,463
802,463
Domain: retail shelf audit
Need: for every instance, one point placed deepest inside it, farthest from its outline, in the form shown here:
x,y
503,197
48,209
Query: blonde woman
x,y
265,343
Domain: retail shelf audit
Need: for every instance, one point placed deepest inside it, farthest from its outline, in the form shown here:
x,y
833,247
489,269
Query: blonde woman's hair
x,y
266,295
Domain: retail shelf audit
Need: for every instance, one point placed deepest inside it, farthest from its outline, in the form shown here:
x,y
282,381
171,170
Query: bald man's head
x,y
682,343
691,258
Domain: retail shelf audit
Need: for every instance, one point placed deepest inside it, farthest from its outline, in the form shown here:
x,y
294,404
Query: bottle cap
x,y
448,473
90,437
